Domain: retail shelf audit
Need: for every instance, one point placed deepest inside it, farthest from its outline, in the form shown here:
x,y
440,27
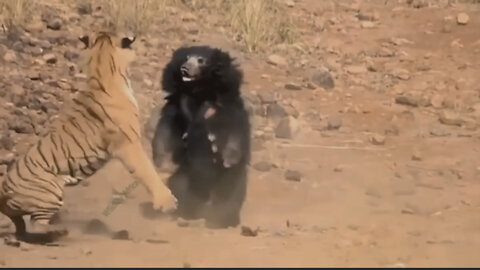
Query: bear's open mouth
x,y
186,77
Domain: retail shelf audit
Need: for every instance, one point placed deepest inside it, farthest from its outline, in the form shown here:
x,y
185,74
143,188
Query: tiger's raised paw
x,y
167,203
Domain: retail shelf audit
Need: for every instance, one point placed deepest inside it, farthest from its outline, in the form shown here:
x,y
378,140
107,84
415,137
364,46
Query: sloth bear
x,y
204,130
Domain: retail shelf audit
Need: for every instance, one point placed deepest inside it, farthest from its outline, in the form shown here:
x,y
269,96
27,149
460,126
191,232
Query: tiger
x,y
99,124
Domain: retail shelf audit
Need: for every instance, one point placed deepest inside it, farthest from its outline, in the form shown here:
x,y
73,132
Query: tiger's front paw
x,y
165,202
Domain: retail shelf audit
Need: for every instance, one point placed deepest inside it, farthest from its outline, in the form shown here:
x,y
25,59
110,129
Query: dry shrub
x,y
257,23
15,12
261,23
133,15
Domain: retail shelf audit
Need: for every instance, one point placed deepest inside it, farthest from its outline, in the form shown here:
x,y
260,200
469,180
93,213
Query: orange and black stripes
x,y
81,139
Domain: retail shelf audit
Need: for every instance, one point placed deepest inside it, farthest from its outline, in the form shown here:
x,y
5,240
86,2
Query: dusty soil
x,y
384,163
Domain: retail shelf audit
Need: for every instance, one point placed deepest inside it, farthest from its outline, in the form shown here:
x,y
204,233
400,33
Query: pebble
x,y
293,86
10,241
339,168
323,79
283,129
463,18
10,56
417,155
50,58
367,24
450,118
84,8
55,24
263,166
334,122
371,15
290,3
6,142
121,235
409,100
377,139
247,231
293,175
277,60
437,101
357,69
157,241
96,226
401,74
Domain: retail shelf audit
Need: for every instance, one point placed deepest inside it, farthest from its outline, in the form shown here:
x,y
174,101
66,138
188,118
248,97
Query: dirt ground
x,y
366,141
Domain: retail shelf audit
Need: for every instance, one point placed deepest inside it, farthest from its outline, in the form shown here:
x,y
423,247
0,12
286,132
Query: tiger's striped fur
x,y
100,124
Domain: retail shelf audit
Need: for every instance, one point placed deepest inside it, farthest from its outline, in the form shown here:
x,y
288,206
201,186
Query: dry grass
x,y
261,23
258,24
15,12
133,15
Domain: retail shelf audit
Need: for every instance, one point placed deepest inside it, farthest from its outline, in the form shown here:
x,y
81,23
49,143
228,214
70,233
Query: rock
x,y
33,75
263,166
157,241
10,241
71,55
334,122
6,157
339,168
247,231
49,107
55,24
62,84
21,125
6,142
440,132
416,155
371,15
121,235
44,44
385,52
277,60
283,130
96,226
266,97
84,8
34,51
463,18
367,24
409,100
377,139
86,251
50,58
437,101
10,56
189,17
148,82
401,74
293,175
290,3
392,129
450,118
418,3
293,86
275,111
357,69
323,79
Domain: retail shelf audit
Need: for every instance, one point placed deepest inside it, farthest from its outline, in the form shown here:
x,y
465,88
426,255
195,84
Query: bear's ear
x,y
127,42
220,61
85,40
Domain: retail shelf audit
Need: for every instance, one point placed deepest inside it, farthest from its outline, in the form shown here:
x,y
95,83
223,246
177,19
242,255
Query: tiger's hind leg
x,y
41,231
136,161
